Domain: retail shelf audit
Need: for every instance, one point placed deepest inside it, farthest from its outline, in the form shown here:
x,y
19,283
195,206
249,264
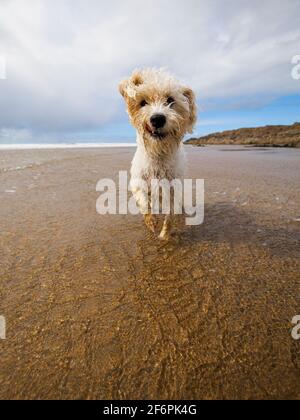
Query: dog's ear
x,y
123,85
128,87
136,78
189,94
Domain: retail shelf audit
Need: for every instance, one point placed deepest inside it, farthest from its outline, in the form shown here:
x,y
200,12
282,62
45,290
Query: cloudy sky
x,y
63,60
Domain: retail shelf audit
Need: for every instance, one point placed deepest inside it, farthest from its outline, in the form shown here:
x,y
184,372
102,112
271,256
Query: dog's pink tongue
x,y
150,129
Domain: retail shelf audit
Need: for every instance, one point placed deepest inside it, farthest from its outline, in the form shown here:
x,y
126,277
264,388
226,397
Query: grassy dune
x,y
269,136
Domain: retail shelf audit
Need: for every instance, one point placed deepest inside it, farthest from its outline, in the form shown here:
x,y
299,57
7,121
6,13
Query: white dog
x,y
162,111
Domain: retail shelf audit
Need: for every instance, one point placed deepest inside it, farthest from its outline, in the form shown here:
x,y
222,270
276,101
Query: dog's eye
x,y
170,100
143,103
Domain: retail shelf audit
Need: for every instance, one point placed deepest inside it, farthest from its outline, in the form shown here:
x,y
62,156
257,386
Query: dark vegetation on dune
x,y
269,136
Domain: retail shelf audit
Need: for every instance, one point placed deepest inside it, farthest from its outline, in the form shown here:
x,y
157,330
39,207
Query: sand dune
x,y
274,136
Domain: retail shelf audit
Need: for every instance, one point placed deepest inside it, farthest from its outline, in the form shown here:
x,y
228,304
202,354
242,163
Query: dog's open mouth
x,y
157,134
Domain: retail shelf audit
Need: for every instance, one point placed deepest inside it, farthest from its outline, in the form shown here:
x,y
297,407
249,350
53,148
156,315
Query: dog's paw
x,y
164,236
150,222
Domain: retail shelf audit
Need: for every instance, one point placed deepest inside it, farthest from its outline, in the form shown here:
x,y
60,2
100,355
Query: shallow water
x,y
98,308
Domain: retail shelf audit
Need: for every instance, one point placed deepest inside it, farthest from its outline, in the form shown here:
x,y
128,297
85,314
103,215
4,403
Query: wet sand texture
x,y
96,308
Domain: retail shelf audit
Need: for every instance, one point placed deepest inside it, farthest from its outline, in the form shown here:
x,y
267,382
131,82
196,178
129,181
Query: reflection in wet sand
x,y
96,308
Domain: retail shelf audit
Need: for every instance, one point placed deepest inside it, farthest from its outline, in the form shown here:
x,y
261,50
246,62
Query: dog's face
x,y
159,107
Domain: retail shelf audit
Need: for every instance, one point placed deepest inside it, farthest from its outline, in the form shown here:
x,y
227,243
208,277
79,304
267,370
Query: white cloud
x,y
65,57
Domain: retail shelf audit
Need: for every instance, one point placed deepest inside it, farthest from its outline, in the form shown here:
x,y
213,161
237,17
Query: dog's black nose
x,y
158,120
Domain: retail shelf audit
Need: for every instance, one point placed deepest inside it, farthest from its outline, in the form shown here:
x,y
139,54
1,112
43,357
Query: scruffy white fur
x,y
160,154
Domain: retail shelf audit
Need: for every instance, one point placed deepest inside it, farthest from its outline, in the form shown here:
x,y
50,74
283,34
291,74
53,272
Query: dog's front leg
x,y
167,228
170,216
142,199
150,222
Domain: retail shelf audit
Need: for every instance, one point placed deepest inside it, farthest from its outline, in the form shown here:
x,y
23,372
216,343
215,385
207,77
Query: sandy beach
x,y
97,308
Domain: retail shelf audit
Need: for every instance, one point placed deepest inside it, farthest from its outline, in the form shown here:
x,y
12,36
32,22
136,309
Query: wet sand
x,y
96,308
